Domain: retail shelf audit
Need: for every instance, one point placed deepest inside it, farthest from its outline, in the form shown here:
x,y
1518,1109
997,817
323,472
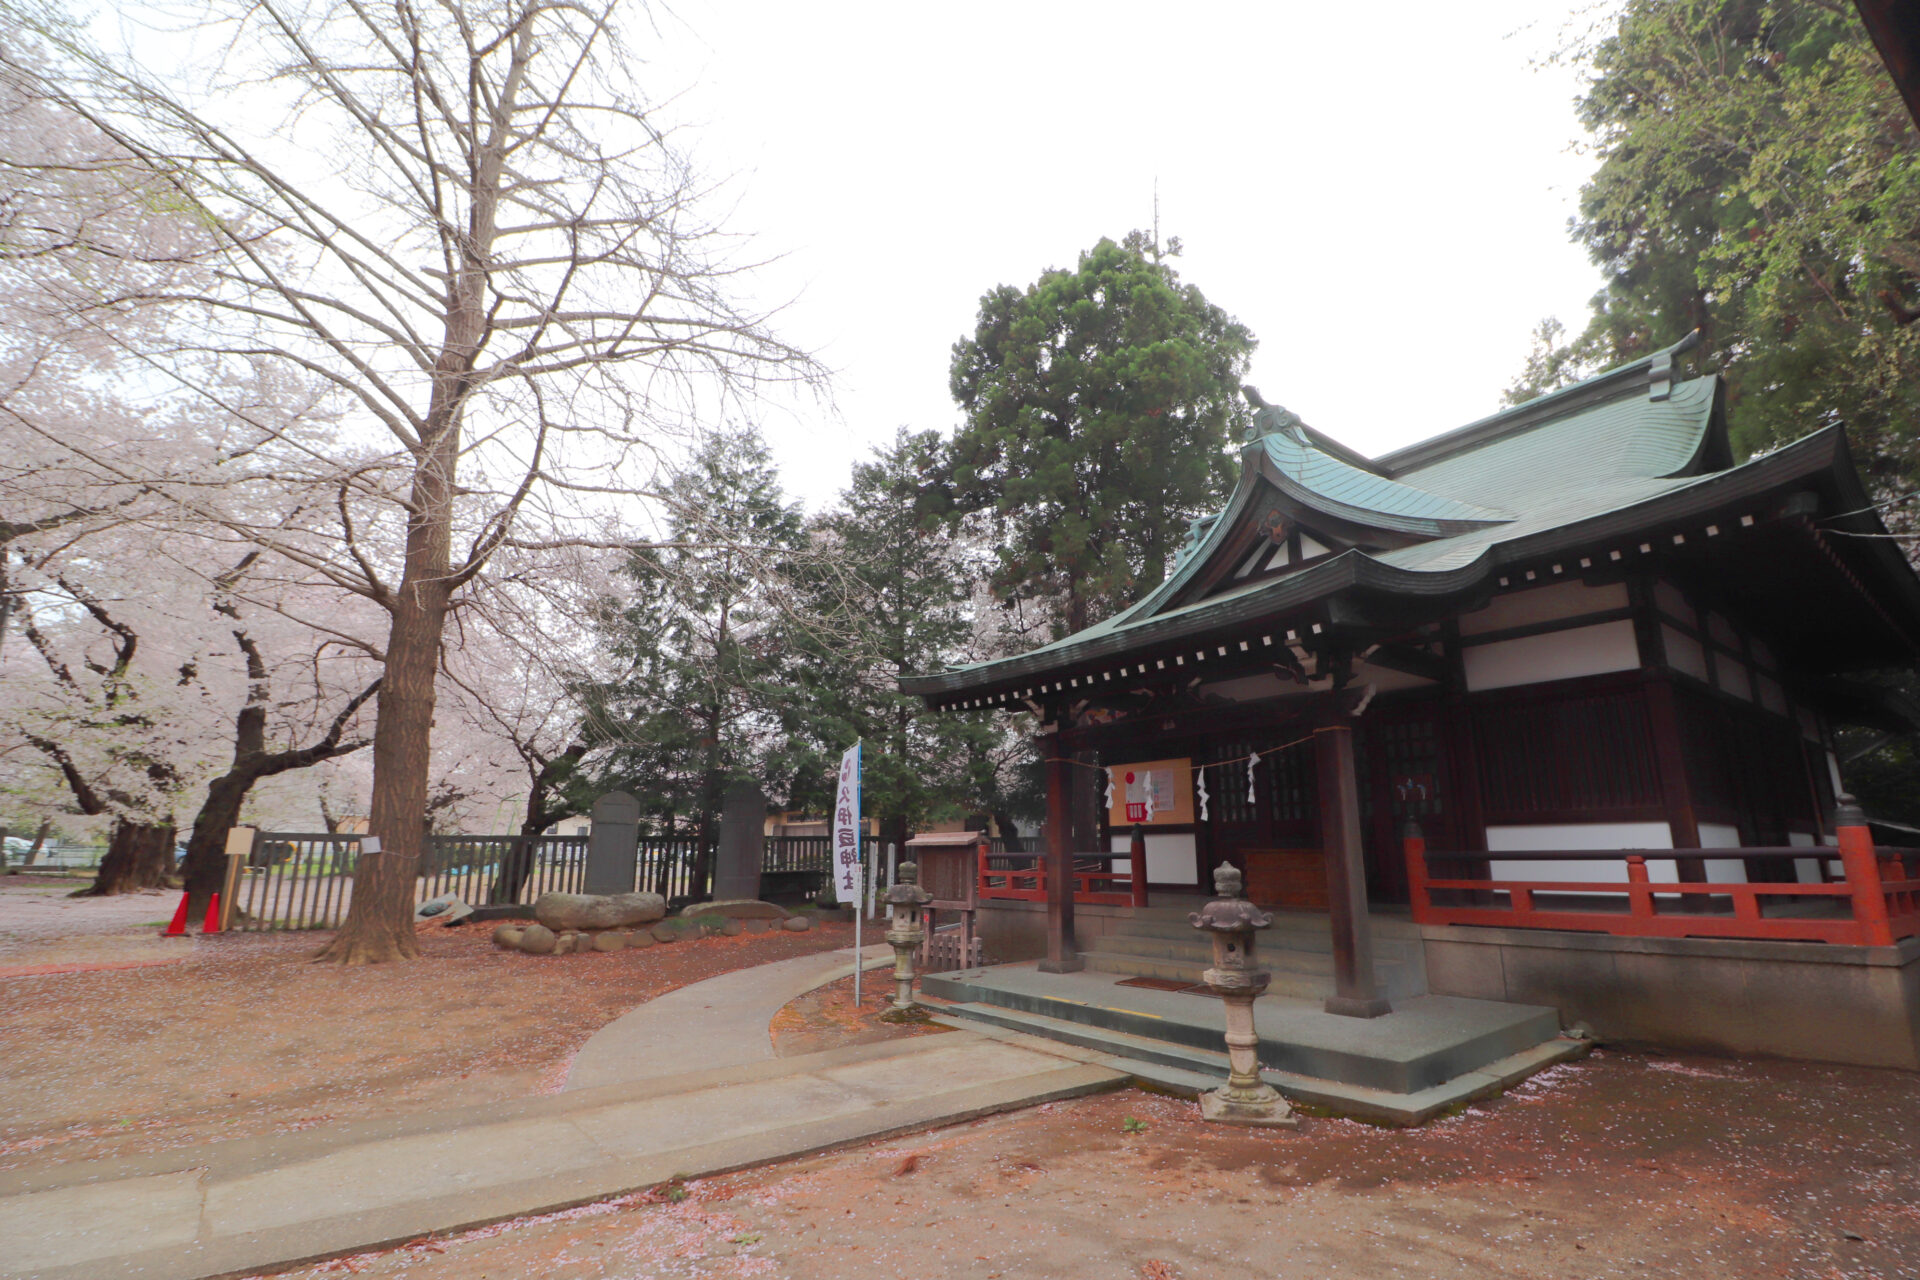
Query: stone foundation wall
x,y
1812,1001
1012,931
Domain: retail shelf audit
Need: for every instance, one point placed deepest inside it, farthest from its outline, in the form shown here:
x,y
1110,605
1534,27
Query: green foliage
x,y
700,694
1759,179
899,579
1100,403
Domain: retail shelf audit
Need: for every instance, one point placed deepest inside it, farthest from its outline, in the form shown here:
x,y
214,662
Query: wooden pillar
x,y
1356,993
1137,866
1063,955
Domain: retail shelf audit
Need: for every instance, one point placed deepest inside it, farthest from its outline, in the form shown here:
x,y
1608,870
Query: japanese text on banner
x,y
846,828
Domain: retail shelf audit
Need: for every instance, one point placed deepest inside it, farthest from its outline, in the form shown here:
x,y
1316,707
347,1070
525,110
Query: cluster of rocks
x,y
573,923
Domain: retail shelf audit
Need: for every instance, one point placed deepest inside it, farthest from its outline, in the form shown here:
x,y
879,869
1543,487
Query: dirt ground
x,y
826,1017
1620,1165
243,1036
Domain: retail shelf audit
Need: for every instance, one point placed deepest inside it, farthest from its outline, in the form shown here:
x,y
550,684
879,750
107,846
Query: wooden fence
x,y
302,880
1875,903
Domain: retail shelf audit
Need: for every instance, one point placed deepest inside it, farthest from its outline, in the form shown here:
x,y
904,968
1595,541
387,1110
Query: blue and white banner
x,y
846,829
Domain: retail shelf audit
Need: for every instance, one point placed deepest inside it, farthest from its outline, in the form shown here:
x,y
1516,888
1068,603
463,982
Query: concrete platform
x,y
1430,1053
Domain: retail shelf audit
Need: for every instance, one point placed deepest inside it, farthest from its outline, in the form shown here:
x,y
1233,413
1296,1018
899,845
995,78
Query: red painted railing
x,y
1022,877
1876,904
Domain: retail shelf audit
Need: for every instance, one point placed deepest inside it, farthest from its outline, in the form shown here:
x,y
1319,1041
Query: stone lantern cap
x,y
1229,913
906,891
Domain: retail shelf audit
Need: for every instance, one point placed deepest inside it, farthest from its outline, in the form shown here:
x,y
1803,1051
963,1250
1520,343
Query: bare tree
x,y
461,219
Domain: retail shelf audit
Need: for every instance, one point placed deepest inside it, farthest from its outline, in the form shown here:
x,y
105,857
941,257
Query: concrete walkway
x,y
263,1202
724,1021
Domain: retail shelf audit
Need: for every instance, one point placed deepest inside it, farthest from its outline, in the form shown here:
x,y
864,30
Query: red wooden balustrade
x,y
1022,877
1877,903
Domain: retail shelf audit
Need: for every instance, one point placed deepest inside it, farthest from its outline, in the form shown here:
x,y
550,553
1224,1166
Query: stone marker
x,y
742,845
610,941
613,845
798,924
538,940
736,908
598,911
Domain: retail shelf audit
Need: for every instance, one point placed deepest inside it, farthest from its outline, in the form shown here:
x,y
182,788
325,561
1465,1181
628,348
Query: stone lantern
x,y
905,933
1237,979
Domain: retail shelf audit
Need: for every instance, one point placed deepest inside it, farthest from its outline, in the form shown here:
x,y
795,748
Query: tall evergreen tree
x,y
1099,402
899,578
699,701
1759,180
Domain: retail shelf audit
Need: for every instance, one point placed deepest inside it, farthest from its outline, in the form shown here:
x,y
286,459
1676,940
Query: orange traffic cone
x,y
212,922
179,926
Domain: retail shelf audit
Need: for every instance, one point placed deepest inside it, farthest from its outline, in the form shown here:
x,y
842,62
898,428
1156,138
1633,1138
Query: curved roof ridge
x,y
1649,371
1321,481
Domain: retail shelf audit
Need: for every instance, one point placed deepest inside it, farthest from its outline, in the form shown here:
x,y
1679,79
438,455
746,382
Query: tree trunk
x,y
206,867
379,923
39,842
139,856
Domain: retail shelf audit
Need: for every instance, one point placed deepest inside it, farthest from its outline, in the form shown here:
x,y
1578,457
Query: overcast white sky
x,y
1380,193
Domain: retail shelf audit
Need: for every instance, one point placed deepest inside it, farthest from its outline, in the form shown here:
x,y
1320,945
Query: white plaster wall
x,y
1733,677
1684,653
1807,870
1543,604
1173,857
1718,835
1558,655
1581,835
1772,696
1722,631
1670,602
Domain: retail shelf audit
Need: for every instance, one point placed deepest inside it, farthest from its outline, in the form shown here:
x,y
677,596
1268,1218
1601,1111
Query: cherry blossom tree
x,y
462,222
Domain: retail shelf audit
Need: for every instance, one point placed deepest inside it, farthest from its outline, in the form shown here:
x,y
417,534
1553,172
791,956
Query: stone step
x,y
1311,933
1425,1041
1302,974
1195,945
1283,917
1187,1071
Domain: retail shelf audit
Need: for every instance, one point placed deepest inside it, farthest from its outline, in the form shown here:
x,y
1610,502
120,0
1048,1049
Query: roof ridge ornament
x,y
1660,366
1270,419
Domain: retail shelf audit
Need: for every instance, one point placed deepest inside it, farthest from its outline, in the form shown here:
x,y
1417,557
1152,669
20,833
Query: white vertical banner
x,y
846,828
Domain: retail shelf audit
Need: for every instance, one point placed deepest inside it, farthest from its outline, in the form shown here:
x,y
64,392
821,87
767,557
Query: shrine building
x,y
1536,711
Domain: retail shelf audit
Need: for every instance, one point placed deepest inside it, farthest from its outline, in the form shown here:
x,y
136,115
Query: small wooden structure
x,y
949,863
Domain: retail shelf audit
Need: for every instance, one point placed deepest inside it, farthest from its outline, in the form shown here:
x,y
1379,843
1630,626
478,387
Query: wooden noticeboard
x,y
1286,877
1172,784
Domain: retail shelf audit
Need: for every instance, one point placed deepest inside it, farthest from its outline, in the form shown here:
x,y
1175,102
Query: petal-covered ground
x,y
1622,1165
245,1036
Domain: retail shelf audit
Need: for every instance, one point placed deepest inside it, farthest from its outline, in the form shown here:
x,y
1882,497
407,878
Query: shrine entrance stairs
x,y
1160,943
1135,1008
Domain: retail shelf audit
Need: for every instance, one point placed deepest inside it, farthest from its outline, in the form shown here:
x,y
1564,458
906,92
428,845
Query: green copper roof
x,y
1629,438
1325,483
1574,464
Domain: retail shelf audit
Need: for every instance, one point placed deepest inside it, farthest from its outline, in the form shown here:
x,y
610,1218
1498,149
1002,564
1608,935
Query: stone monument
x,y
743,843
613,846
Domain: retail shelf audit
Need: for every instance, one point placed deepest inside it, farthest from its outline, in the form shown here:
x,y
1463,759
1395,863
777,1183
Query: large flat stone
x,y
559,911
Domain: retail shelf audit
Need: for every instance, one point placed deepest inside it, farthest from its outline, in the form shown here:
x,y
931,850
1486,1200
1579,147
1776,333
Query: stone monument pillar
x,y
743,843
613,846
